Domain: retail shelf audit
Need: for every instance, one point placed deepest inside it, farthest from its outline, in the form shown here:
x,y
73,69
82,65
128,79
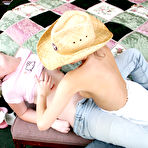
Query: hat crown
x,y
75,35
72,32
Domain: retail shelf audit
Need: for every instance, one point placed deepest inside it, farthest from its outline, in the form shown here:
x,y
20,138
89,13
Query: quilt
x,y
26,20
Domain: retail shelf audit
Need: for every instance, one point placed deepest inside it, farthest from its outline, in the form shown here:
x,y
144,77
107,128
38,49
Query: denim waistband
x,y
80,123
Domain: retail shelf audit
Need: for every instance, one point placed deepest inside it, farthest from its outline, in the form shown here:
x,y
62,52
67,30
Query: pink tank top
x,y
20,85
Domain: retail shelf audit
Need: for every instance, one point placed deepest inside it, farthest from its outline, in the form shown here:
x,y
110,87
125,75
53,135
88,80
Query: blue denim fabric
x,y
100,144
131,62
92,123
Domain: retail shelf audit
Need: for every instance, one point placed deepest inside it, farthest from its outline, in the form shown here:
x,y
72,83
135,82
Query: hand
x,y
61,126
44,85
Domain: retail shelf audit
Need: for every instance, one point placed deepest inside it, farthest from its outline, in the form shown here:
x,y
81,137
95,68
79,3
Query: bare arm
x,y
29,115
47,115
26,114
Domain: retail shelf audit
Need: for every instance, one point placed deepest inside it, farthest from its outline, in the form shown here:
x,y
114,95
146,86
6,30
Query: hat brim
x,y
51,59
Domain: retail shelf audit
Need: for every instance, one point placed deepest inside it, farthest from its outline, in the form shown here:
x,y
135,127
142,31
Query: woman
x,y
90,122
108,89
10,75
19,84
79,36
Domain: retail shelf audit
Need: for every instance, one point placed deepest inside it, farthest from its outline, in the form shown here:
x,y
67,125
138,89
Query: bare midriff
x,y
69,111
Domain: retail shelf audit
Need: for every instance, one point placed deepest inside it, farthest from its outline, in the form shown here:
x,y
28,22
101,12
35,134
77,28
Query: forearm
x,y
29,115
26,114
40,109
47,115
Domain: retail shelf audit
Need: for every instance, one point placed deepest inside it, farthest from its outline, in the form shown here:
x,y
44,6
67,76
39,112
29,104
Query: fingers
x,y
50,82
66,127
37,79
66,130
61,126
48,79
44,77
44,81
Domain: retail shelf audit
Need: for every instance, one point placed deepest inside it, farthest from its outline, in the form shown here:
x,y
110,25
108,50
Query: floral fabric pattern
x,y
24,24
129,19
143,28
111,43
136,40
22,30
31,43
50,4
145,4
8,19
29,10
65,7
68,1
139,10
7,45
137,1
105,10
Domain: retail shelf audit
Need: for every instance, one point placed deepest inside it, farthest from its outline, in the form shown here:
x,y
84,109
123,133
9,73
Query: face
x,y
8,64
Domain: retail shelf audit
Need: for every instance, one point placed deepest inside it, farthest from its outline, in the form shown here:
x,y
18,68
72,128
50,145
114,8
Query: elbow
x,y
41,126
22,116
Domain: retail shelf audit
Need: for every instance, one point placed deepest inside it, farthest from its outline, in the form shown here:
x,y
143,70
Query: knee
x,y
134,53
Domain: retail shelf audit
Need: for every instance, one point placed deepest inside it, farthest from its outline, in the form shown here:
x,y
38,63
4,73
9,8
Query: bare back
x,y
100,79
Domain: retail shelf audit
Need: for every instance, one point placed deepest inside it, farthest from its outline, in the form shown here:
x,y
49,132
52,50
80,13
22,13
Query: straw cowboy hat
x,y
75,35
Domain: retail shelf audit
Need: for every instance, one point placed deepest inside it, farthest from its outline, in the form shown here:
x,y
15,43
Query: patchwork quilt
x,y
26,20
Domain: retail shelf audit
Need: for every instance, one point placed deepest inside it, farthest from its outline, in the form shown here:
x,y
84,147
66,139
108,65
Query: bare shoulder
x,y
75,78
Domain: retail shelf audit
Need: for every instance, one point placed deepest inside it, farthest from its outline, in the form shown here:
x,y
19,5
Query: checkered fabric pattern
x,y
26,20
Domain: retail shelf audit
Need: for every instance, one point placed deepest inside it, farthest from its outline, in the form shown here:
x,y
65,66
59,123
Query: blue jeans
x,y
100,144
131,62
92,123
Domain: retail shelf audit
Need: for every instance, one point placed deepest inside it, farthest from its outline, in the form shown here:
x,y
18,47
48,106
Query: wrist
x,y
41,97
